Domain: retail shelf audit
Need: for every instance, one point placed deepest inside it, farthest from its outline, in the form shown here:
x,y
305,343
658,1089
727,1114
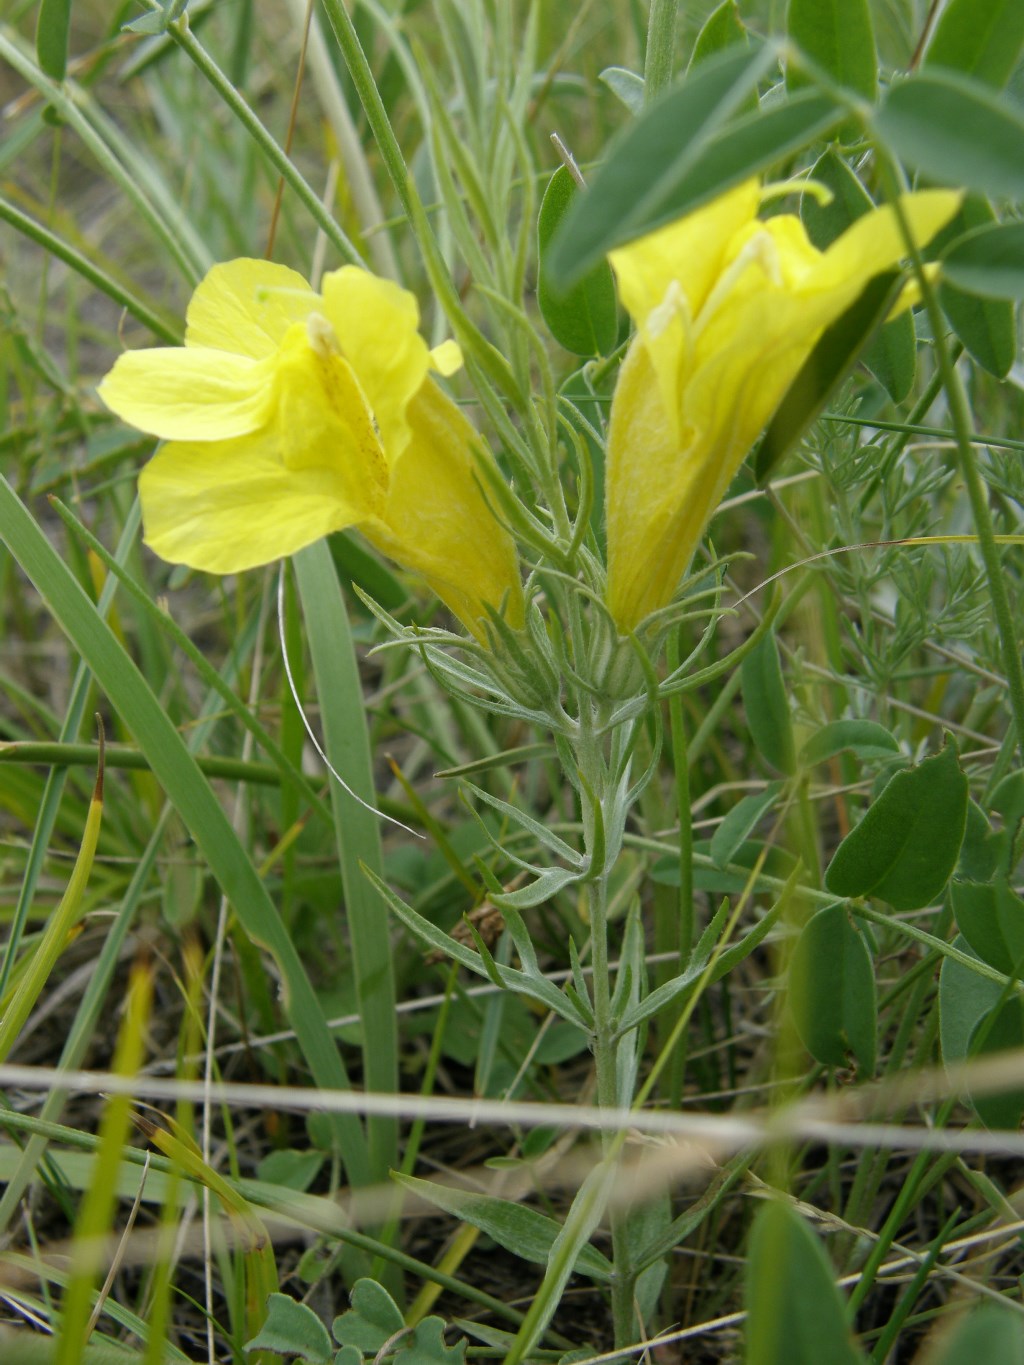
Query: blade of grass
x,y
96,1212
193,798
61,922
164,328
134,175
357,832
210,675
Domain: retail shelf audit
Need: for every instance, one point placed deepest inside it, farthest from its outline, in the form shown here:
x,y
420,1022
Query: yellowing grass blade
x,y
62,922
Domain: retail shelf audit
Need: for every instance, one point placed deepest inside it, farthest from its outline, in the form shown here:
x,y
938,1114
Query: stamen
x,y
321,335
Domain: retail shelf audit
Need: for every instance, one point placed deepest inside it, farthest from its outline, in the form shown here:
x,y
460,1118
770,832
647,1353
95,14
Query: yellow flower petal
x,y
446,358
322,417
189,393
246,306
718,344
376,323
225,506
292,415
688,253
437,522
664,280
644,564
875,243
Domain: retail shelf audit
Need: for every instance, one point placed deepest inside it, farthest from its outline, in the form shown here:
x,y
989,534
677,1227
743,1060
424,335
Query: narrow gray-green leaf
x,y
357,830
981,38
956,132
523,1231
905,848
654,152
582,319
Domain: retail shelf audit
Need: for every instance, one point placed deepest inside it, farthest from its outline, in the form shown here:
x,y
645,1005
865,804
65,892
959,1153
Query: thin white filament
x,y
309,729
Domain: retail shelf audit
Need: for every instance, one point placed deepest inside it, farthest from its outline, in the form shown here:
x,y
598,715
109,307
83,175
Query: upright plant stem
x,y
661,42
606,1044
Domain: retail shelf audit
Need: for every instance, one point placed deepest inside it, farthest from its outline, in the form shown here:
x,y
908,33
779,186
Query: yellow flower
x,y
727,309
289,414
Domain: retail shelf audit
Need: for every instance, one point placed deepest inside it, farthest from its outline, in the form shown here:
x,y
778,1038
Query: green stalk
x,y
357,832
680,939
661,43
166,329
271,149
490,361
606,1043
119,160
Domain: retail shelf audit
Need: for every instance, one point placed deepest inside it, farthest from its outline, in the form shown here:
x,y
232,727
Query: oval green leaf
x,y
625,85
52,32
990,916
767,705
839,36
832,991
905,848
864,737
1000,1031
956,132
989,261
722,29
583,319
986,1332
964,998
985,326
734,829
794,1311
981,38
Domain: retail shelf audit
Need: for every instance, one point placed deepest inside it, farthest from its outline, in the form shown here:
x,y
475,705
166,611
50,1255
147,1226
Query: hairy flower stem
x,y
661,41
594,775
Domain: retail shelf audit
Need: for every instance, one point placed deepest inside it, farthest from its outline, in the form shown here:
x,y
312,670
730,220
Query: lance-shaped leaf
x,y
523,1231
